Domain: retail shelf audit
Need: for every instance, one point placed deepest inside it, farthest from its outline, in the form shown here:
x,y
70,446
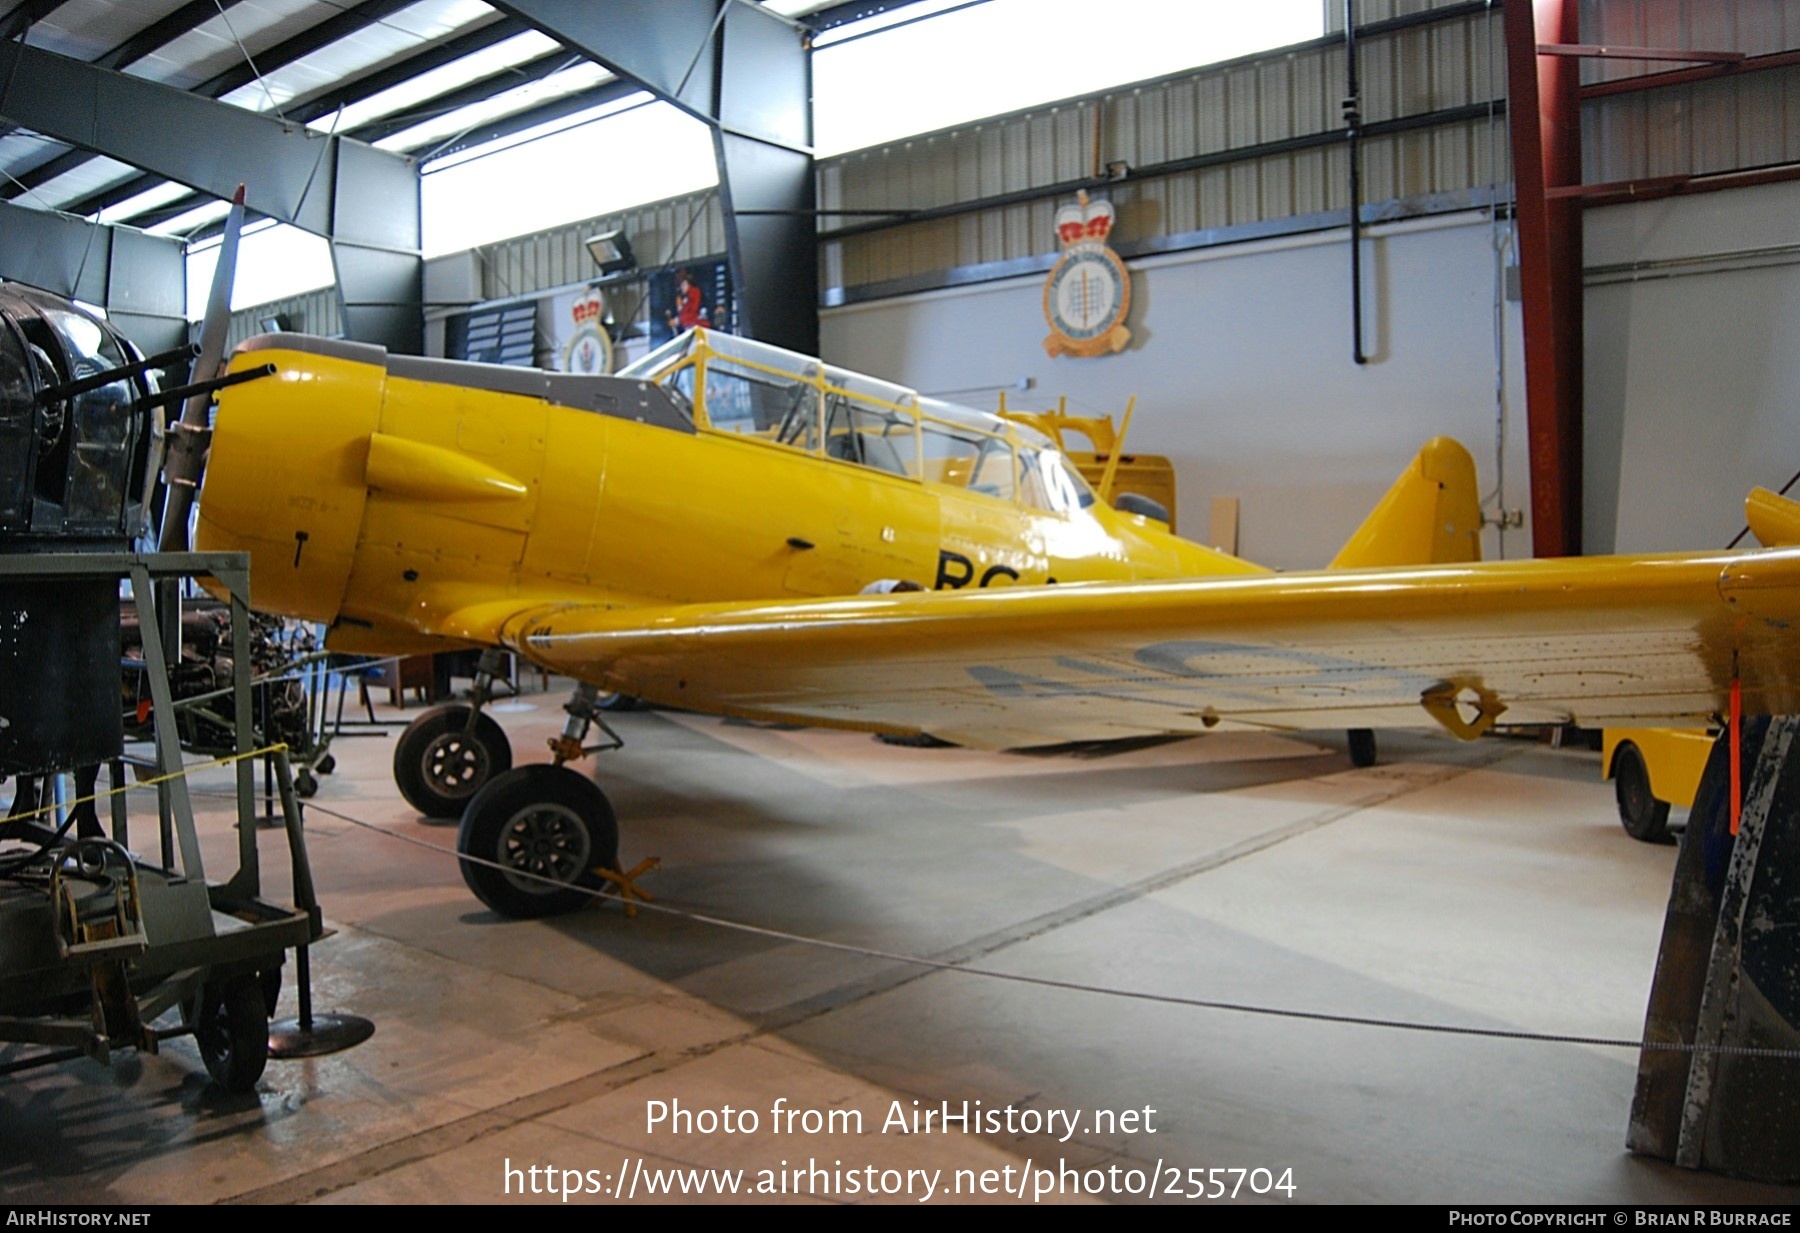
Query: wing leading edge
x,y
1596,641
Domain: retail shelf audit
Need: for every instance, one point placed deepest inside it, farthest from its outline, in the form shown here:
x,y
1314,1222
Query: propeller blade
x,y
187,450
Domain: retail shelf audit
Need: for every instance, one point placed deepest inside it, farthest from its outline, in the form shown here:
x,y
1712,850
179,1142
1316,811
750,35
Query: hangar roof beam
x,y
140,280
363,200
744,71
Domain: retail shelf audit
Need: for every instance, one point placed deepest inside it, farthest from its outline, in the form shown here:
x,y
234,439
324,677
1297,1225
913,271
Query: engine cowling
x,y
285,480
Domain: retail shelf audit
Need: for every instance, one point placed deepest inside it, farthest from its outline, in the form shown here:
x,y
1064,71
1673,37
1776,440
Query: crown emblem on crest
x,y
588,349
586,311
1084,221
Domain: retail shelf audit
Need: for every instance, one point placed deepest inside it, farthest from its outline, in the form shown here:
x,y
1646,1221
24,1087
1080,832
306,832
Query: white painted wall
x,y
1240,360
1692,365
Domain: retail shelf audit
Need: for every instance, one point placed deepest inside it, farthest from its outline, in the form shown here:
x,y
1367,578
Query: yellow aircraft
x,y
704,531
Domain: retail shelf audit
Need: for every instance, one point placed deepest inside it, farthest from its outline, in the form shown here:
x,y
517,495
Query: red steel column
x,y
1545,120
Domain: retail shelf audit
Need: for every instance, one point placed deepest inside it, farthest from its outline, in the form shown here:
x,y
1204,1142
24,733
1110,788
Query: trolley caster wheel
x,y
269,980
306,784
1362,747
327,764
233,1032
440,764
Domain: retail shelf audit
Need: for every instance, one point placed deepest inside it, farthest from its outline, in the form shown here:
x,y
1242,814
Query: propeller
x,y
187,447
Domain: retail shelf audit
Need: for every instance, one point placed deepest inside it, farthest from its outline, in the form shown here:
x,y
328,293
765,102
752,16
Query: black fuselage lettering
x,y
955,571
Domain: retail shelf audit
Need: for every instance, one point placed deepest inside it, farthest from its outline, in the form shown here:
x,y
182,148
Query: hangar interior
x,y
1417,981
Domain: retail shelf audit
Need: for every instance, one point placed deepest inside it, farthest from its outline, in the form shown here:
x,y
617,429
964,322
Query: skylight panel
x,y
584,75
866,87
520,49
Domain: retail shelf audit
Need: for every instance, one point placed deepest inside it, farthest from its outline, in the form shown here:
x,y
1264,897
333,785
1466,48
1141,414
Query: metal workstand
x,y
97,940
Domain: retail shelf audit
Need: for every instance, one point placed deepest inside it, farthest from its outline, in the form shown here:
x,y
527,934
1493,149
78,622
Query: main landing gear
x,y
537,837
446,755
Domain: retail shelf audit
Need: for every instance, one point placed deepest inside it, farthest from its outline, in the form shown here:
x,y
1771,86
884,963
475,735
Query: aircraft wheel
x,y
547,828
233,1032
1643,816
439,764
617,702
1362,747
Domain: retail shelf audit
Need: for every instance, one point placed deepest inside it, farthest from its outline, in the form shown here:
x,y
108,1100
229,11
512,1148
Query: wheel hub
x,y
454,765
545,841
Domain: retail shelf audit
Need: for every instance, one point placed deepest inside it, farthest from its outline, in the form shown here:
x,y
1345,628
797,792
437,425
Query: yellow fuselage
x,y
379,495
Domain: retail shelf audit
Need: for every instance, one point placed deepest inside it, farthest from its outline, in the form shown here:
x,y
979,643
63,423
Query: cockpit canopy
x,y
735,385
72,458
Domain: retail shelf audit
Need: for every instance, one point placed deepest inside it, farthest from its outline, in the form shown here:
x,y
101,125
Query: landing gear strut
x,y
537,837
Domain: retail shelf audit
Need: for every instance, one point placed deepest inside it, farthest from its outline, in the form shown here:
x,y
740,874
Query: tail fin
x,y
1431,516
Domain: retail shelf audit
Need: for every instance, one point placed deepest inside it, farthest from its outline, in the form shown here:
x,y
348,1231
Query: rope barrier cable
x,y
15,860
945,965
151,782
1046,982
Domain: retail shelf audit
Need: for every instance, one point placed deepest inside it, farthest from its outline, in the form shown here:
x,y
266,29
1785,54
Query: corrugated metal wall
x,y
661,233
1204,116
1370,11
1702,127
313,312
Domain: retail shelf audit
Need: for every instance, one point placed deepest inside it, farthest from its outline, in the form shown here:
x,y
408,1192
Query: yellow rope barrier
x,y
227,760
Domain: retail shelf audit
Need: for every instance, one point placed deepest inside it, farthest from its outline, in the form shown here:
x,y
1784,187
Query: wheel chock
x,y
625,882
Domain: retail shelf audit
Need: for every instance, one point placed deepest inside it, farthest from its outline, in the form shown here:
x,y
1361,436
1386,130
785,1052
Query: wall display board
x,y
697,293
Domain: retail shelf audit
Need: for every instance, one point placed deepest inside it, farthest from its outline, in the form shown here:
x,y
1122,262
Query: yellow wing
x,y
1594,641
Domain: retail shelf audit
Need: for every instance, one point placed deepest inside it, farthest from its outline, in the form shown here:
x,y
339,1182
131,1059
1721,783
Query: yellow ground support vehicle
x,y
1653,769
1141,484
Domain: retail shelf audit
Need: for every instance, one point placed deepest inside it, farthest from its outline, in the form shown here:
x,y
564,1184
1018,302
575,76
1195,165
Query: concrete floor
x,y
1484,885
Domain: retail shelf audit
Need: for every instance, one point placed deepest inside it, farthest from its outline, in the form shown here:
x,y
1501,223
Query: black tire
x,y
915,740
306,784
617,702
1362,747
542,820
439,765
1640,813
233,1032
